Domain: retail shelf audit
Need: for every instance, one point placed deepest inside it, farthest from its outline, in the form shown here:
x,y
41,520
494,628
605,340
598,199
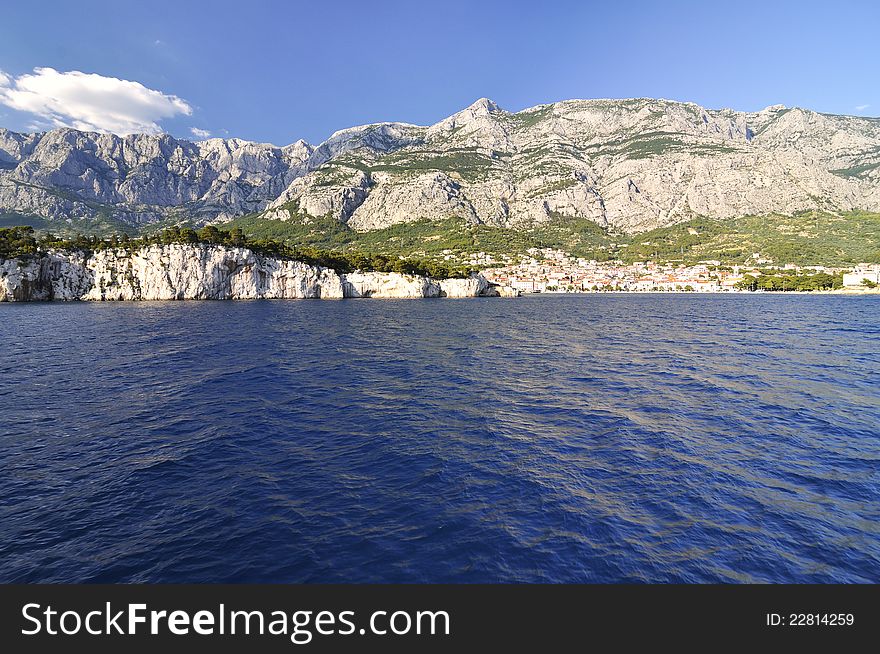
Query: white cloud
x,y
200,133
862,107
90,102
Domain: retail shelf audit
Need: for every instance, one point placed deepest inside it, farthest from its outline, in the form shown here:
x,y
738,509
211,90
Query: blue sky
x,y
277,71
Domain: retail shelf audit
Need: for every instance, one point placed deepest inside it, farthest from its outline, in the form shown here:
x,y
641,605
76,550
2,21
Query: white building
x,y
861,272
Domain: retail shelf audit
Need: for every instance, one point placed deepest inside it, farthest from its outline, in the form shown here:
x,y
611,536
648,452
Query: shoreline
x,y
180,272
838,291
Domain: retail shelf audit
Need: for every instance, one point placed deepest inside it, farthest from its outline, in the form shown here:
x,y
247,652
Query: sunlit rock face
x,y
631,165
68,174
388,285
205,272
165,272
473,286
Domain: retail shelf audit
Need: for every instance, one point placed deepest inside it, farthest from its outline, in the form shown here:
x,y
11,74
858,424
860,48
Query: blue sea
x,y
598,438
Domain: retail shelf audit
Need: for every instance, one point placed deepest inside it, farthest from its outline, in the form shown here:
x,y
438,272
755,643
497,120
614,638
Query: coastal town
x,y
549,270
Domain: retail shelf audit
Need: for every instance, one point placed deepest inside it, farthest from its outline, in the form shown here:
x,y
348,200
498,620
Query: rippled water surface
x,y
593,438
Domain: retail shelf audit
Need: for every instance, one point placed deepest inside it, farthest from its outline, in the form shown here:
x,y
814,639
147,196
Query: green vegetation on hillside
x,y
22,241
526,119
648,144
17,242
805,238
420,238
468,163
101,225
809,238
856,171
23,220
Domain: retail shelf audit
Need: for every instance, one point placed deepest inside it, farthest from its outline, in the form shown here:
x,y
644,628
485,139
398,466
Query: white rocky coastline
x,y
209,272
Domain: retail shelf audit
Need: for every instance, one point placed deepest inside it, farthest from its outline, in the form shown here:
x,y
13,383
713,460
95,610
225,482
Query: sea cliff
x,y
208,272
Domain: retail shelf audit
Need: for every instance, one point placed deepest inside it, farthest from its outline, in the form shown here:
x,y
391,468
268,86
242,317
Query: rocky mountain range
x,y
628,165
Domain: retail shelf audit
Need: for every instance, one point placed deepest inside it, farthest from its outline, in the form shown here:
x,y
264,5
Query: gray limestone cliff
x,y
631,165
206,272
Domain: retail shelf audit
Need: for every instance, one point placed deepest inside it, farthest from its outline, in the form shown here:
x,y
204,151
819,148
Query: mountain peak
x,y
474,114
632,164
483,106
